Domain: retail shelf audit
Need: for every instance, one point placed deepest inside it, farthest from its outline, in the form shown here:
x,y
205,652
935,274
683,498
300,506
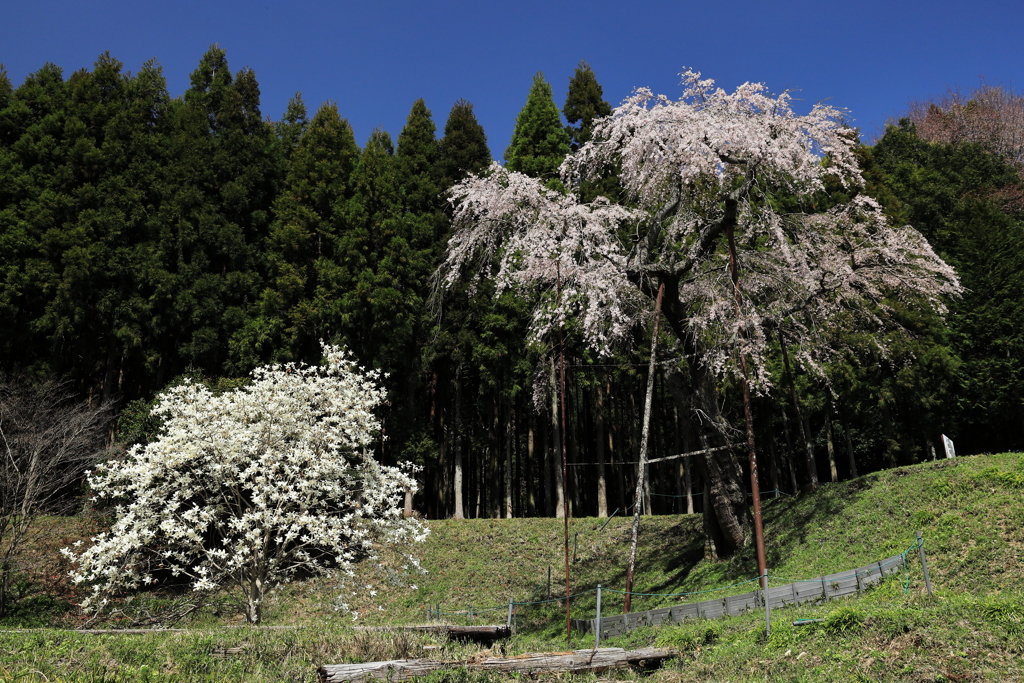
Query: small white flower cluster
x,y
247,489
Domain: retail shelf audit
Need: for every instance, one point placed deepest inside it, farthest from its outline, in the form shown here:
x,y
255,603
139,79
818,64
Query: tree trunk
x,y
602,486
726,513
805,432
457,483
849,445
556,441
677,502
773,465
727,518
531,467
615,447
829,442
549,497
508,459
789,456
645,439
687,461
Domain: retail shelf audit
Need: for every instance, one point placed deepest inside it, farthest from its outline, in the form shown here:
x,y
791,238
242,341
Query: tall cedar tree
x,y
295,310
221,183
76,257
292,125
377,304
584,103
424,226
463,149
539,142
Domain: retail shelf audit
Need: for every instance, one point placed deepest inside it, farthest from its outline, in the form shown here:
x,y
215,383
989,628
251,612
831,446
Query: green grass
x,y
969,509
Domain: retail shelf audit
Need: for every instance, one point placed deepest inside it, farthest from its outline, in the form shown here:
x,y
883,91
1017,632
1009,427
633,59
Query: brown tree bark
x,y
726,511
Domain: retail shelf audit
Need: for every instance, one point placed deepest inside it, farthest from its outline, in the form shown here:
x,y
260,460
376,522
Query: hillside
x,y
970,510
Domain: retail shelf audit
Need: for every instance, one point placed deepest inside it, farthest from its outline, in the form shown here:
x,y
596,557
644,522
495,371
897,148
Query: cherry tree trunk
x,y
727,519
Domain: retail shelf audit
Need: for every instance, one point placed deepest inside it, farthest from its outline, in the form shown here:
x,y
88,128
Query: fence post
x,y
508,623
549,582
471,613
597,621
924,564
767,607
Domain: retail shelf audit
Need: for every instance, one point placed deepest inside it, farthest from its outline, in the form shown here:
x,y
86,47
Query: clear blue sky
x,y
375,58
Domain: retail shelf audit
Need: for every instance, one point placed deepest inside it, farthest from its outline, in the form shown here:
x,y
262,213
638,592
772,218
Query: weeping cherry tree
x,y
696,172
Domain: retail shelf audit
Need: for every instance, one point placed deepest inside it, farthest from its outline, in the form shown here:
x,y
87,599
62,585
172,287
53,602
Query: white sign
x,y
948,443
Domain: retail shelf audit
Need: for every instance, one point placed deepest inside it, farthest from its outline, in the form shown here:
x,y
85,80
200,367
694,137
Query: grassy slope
x,y
970,510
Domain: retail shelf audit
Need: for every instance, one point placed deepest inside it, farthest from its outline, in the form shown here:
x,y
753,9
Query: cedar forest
x,y
145,239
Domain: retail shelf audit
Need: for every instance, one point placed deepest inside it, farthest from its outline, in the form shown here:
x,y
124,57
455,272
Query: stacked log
x,y
594,660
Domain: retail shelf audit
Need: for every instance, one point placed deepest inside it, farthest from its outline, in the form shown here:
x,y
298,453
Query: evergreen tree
x,y
87,253
956,196
374,256
583,104
221,182
417,158
292,125
539,142
463,149
295,310
34,203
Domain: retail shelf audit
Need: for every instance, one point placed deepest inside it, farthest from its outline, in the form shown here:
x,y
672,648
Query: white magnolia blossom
x,y
250,487
693,171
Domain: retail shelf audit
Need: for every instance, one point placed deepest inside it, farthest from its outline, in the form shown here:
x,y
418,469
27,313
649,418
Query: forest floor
x,y
970,510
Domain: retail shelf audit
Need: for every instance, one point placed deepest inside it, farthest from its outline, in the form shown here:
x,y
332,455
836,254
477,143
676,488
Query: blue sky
x,y
376,58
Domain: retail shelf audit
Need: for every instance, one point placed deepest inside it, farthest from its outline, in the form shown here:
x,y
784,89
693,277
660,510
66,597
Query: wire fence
x,y
727,602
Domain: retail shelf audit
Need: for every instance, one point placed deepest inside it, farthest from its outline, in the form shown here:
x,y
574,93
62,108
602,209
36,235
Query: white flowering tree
x,y
247,489
710,168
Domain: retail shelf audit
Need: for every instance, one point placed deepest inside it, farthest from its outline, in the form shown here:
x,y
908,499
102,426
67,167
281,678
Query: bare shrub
x,y
48,440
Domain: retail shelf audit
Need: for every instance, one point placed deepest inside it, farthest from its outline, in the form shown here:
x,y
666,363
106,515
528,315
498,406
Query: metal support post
x,y
924,564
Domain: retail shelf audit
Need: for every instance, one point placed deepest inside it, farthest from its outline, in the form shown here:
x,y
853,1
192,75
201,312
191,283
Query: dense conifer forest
x,y
145,239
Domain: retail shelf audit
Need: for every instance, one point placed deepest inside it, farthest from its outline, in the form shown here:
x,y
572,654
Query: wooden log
x,y
595,660
480,633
